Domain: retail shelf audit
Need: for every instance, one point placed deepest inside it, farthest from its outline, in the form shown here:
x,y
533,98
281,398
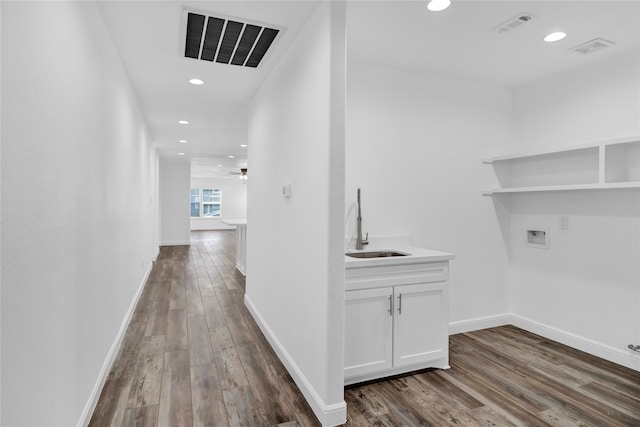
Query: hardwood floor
x,y
504,377
192,355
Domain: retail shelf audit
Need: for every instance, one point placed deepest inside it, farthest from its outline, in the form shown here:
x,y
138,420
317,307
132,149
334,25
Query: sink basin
x,y
375,254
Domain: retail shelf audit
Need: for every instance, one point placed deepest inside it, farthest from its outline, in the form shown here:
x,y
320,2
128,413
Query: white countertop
x,y
235,221
416,254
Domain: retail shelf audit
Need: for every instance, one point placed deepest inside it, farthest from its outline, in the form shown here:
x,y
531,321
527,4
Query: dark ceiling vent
x,y
226,41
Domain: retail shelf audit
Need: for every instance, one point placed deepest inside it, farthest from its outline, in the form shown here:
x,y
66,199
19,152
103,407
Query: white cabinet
x,y
420,324
368,331
241,243
396,320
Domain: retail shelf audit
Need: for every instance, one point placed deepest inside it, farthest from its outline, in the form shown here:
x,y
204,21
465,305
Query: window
x,y
211,203
206,203
195,203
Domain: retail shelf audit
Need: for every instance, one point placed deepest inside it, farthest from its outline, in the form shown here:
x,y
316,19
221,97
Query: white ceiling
x,y
148,36
458,41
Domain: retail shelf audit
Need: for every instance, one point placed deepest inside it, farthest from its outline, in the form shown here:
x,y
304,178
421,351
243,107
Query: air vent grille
x,y
513,23
592,46
226,41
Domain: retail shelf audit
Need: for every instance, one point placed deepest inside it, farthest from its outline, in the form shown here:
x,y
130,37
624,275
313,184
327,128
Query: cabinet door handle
x,y
390,305
399,303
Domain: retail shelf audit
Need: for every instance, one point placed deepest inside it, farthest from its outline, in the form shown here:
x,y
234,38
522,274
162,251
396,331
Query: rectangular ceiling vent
x,y
226,41
513,23
592,46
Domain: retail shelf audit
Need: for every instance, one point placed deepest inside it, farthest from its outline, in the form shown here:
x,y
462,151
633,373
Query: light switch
x,y
286,191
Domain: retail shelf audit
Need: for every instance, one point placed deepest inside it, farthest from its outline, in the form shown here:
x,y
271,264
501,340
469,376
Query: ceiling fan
x,y
242,173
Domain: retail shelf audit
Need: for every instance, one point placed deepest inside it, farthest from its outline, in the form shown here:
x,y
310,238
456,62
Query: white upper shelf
x,y
603,165
624,140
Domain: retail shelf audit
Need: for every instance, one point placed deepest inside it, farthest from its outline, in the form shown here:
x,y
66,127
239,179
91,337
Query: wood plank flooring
x,y
504,377
193,356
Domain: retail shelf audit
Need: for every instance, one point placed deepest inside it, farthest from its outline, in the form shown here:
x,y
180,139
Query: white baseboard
x,y
213,228
85,417
154,257
604,351
621,357
176,243
475,324
328,415
241,269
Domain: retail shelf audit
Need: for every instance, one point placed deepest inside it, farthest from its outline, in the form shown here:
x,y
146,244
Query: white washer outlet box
x,y
536,237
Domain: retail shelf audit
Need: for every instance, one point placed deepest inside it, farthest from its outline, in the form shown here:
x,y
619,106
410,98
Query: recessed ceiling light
x,y
184,141
183,122
231,157
180,154
555,36
243,145
196,81
219,166
438,5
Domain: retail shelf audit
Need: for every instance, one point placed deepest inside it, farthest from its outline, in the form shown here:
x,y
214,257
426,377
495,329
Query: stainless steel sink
x,y
375,254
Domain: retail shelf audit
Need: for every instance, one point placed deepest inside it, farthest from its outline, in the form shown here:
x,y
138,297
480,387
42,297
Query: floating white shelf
x,y
561,188
625,140
605,165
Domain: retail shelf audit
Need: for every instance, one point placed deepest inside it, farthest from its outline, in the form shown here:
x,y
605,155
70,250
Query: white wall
x,y
414,145
79,217
295,277
595,102
585,289
234,202
175,175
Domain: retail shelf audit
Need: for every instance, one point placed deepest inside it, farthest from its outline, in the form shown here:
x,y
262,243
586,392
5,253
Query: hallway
x,y
168,372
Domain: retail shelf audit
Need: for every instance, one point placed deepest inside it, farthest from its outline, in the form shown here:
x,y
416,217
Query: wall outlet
x,y
563,223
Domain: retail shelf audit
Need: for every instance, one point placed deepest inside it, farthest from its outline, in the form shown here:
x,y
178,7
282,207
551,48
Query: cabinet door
x,y
420,326
368,328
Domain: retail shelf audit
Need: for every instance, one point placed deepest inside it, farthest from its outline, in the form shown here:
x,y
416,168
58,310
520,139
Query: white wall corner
x,y
328,414
90,406
174,186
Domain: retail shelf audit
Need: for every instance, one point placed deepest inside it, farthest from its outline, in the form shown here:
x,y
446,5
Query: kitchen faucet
x,y
359,241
